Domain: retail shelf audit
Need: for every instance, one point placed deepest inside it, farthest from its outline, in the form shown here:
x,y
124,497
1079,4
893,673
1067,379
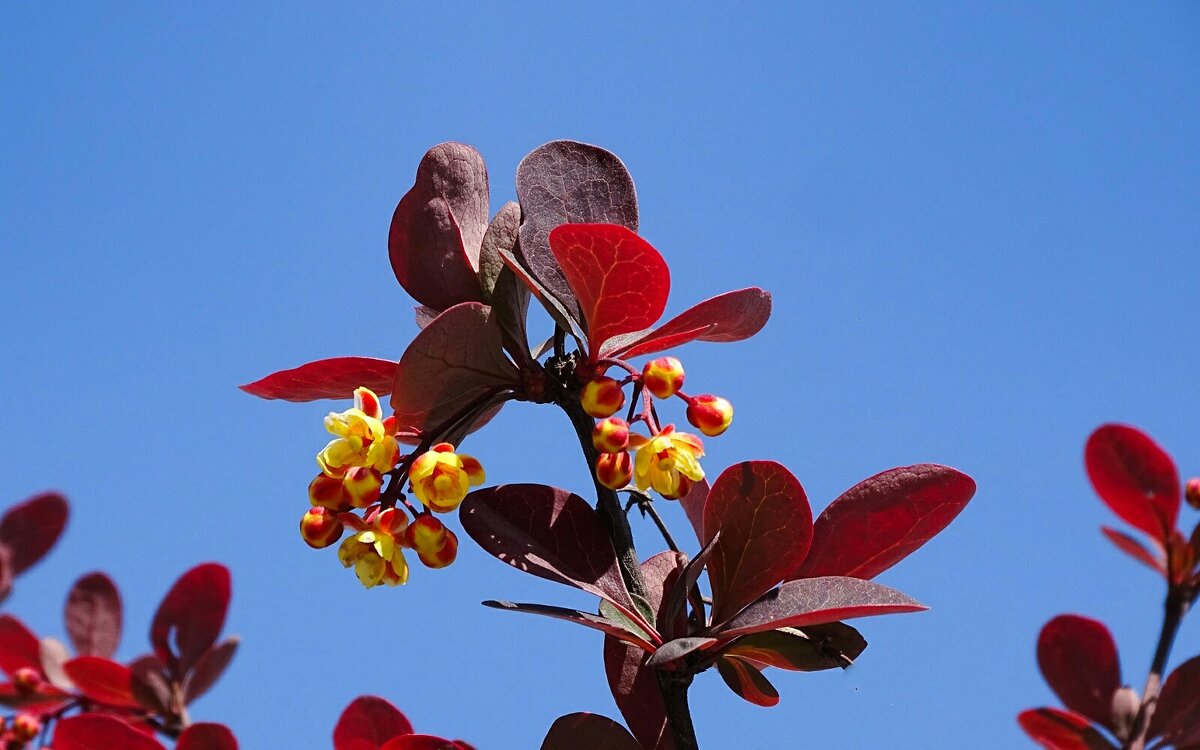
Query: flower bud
x,y
611,435
320,527
1192,492
25,727
436,545
328,492
663,376
362,486
26,680
1125,705
602,397
614,470
710,414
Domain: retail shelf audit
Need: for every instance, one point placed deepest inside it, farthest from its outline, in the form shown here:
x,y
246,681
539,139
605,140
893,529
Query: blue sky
x,y
979,225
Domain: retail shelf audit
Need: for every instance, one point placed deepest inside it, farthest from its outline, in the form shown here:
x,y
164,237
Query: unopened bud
x,y
25,727
1192,492
614,470
611,435
436,545
328,492
26,680
602,397
663,376
710,414
362,486
320,527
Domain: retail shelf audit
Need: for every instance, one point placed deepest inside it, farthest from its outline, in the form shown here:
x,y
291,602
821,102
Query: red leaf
x,y
151,685
1177,718
620,281
766,526
326,378
209,668
93,616
584,731
732,316
191,617
369,721
549,533
747,681
815,601
454,361
1062,730
693,507
438,227
207,736
421,742
103,680
816,647
1156,560
880,521
31,528
586,619
19,648
1134,477
100,732
1079,660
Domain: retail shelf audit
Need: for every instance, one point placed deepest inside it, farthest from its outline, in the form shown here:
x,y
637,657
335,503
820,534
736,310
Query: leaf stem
x,y
1176,606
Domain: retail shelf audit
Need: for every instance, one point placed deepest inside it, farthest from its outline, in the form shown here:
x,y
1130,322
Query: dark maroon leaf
x,y
1177,718
1156,560
584,731
566,182
151,685
368,722
207,736
549,533
732,316
693,507
1134,477
673,604
816,601
815,648
438,228
1062,730
500,238
190,617
765,524
677,649
103,680
31,528
423,316
93,616
19,648
596,622
100,732
6,573
208,669
747,681
880,521
454,362
1079,660
336,378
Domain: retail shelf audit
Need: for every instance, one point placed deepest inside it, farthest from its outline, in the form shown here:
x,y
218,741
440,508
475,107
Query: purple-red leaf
x,y
566,182
438,227
499,239
677,649
880,521
19,648
1134,477
422,742
1155,560
336,378
620,281
693,507
368,722
190,617
151,685
208,669
812,649
1079,660
454,362
31,528
103,680
1177,718
732,316
671,622
765,524
549,533
584,731
747,681
586,619
93,616
1062,730
100,732
207,736
816,601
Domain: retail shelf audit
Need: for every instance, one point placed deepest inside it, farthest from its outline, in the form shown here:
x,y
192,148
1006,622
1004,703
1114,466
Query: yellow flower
x,y
668,462
374,550
361,440
441,478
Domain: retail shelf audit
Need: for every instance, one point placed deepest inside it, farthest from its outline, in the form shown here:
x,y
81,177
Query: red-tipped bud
x,y
614,470
1192,492
25,727
602,397
320,527
328,492
436,545
362,486
26,680
611,435
710,414
663,376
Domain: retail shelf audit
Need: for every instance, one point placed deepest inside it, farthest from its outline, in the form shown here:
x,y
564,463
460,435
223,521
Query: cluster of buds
x,y
18,732
667,461
353,466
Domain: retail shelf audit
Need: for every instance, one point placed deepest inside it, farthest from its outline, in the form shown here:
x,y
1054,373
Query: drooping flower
x,y
436,546
441,478
668,462
375,549
361,439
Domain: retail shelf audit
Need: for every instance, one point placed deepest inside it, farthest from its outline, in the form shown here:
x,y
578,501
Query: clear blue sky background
x,y
980,226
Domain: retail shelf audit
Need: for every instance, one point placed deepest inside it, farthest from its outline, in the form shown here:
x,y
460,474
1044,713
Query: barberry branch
x,y
1178,602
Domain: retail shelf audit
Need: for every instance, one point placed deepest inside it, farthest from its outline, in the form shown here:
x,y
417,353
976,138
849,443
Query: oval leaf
x,y
335,378
31,528
103,680
1156,560
1134,477
191,616
371,720
693,507
816,601
1177,719
93,616
151,685
19,647
100,732
619,280
207,736
209,668
422,742
815,648
1079,660
766,526
438,227
1062,730
677,649
591,731
732,316
880,521
747,681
